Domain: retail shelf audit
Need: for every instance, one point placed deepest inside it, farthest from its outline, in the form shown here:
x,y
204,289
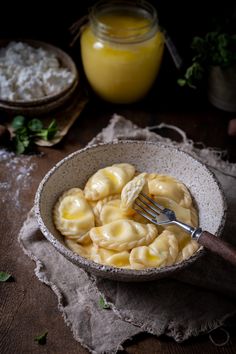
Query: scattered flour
x,y
13,190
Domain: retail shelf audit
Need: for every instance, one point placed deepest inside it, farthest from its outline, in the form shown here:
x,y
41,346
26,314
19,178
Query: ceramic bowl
x,y
75,169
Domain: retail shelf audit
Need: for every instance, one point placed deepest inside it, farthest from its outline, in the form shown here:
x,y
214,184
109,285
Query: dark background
x,y
50,21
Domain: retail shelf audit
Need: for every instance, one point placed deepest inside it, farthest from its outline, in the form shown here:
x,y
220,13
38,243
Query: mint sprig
x,y
42,338
4,276
102,304
27,132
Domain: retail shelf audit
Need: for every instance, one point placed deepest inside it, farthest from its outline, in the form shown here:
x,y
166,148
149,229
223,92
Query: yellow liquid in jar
x,y
121,72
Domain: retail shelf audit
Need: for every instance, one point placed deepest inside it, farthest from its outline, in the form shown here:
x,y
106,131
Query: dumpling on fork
x,y
131,191
109,180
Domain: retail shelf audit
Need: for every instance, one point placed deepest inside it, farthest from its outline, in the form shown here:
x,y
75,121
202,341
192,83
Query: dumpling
x,y
111,211
119,259
186,215
167,186
100,255
123,235
131,191
97,206
194,217
110,257
191,247
108,210
161,252
84,250
109,180
182,236
73,216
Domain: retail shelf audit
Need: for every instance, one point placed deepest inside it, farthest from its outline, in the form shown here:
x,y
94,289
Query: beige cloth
x,y
182,307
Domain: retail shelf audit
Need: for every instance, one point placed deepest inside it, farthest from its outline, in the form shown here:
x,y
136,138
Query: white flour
x,y
13,190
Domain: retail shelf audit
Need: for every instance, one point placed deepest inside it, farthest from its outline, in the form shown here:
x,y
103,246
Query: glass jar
x,y
122,49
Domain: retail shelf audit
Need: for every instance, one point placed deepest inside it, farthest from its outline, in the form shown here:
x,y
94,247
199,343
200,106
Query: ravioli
x,y
163,251
169,187
73,216
123,235
109,180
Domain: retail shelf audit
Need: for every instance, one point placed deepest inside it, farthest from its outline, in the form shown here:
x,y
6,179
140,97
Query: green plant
x,y
26,132
214,49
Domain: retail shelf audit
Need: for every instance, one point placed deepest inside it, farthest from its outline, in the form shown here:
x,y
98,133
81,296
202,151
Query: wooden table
x,y
28,307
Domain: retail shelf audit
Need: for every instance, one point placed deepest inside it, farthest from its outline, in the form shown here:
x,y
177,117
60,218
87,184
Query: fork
x,y
158,215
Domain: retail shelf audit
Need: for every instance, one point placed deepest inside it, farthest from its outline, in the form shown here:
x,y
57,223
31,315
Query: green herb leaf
x,y
22,141
102,303
26,133
41,339
49,133
35,125
52,129
43,134
5,276
198,44
18,122
216,48
181,82
19,146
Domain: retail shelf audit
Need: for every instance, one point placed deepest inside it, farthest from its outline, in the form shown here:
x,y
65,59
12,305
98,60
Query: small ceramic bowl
x,y
47,103
75,169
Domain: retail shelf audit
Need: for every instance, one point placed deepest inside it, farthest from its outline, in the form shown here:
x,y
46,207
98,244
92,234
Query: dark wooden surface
x,y
28,307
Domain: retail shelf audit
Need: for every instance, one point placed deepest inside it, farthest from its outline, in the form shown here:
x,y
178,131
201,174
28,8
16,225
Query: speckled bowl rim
x,y
89,265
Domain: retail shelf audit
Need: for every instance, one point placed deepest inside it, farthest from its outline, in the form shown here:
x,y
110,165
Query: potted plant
x,y
214,62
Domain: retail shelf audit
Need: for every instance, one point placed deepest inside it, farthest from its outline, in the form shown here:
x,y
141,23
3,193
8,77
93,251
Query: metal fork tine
x,y
148,205
152,201
145,215
148,211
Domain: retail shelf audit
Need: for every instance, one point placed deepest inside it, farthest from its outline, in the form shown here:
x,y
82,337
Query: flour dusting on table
x,y
14,189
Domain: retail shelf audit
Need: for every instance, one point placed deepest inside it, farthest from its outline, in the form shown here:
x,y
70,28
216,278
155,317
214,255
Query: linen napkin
x,y
180,308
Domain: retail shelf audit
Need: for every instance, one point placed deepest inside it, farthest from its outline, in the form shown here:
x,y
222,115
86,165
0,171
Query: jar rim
x,y
143,7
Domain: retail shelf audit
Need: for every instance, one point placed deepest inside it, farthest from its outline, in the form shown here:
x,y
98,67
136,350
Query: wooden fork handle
x,y
216,245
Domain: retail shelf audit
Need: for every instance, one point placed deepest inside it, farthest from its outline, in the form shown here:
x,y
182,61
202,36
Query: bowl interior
x,y
74,171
